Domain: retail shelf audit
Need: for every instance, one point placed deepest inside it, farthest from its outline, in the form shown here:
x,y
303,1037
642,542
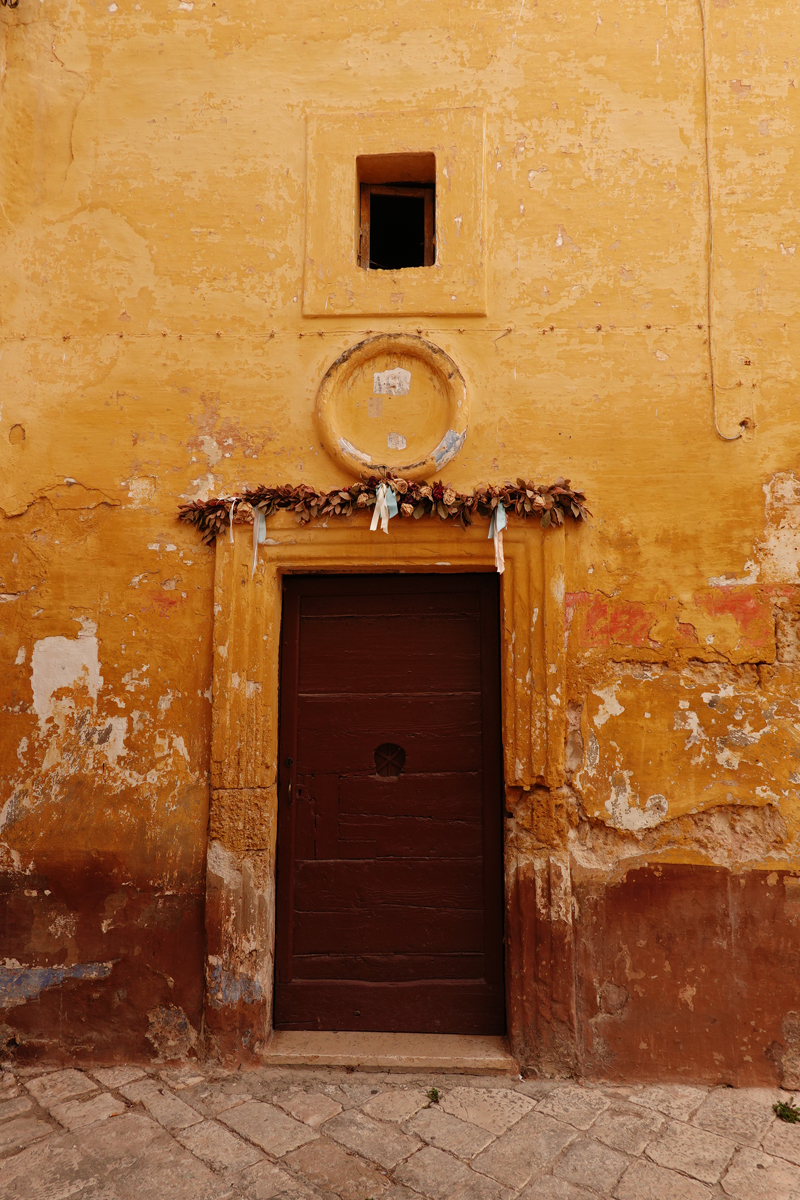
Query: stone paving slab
x,y
218,1147
15,1107
495,1110
626,1130
268,1127
550,1188
432,1173
61,1086
328,1166
397,1105
529,1146
21,1131
592,1165
448,1133
756,1174
647,1181
578,1106
161,1103
694,1151
310,1107
377,1141
744,1114
205,1132
267,1182
74,1114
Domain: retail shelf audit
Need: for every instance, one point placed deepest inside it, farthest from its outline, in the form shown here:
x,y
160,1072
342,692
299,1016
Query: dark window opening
x,y
397,211
396,230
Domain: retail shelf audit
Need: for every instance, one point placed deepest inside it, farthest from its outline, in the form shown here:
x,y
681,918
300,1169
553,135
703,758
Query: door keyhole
x,y
389,760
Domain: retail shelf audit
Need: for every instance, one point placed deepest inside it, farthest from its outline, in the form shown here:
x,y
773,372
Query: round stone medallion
x,y
393,402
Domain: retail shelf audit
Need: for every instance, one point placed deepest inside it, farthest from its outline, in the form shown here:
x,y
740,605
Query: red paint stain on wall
x,y
751,610
606,622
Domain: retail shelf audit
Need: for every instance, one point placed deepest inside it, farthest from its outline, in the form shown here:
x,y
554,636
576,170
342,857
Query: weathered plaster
x,y
154,218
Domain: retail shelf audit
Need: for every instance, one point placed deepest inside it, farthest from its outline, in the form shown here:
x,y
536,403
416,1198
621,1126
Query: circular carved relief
x,y
393,402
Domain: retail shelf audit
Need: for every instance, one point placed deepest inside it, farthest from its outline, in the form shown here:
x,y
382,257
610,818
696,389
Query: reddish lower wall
x,y
681,973
689,973
133,986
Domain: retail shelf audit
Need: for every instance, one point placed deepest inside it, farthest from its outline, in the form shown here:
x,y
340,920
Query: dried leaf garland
x,y
551,504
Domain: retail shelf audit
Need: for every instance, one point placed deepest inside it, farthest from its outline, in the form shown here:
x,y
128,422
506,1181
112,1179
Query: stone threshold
x,y
390,1052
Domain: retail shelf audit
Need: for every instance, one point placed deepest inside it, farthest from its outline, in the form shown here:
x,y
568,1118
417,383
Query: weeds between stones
x,y
787,1111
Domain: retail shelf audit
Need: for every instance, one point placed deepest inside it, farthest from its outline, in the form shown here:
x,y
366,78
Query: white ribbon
x,y
385,507
259,535
496,527
230,524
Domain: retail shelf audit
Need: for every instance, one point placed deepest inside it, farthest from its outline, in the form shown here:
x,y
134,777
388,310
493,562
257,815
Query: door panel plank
x,y
433,654
335,886
390,929
341,733
389,910
380,968
408,837
428,1006
337,597
449,796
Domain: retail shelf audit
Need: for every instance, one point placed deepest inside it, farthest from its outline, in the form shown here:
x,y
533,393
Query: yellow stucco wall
x,y
154,215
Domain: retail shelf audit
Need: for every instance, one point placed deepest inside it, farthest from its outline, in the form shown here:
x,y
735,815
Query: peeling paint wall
x,y
153,215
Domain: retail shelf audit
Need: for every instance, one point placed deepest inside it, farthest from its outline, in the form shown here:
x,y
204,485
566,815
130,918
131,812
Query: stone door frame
x,y
240,880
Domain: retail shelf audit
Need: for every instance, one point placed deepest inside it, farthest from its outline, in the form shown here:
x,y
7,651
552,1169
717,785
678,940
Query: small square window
x,y
397,211
441,151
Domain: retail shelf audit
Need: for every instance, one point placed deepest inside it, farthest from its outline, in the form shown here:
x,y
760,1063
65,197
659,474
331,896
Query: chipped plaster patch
x,y
171,1032
349,448
112,742
779,552
140,489
751,573
224,865
624,811
210,448
60,662
396,382
20,984
557,586
690,721
448,447
610,707
204,486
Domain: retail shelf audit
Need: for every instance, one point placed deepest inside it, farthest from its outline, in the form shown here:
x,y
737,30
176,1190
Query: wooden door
x,y
390,881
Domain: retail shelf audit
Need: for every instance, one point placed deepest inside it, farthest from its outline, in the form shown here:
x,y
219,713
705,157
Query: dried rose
x,y
407,510
361,502
426,491
400,486
449,496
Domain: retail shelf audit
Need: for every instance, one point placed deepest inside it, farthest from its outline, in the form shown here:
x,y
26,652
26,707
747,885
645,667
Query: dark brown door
x,y
390,893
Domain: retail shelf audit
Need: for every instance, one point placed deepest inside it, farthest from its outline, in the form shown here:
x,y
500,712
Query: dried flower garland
x,y
550,503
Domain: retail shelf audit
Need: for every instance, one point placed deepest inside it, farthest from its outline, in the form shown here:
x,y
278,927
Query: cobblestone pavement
x,y
207,1133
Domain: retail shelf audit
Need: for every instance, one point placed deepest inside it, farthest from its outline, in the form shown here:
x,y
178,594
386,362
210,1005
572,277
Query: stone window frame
x,y
334,282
